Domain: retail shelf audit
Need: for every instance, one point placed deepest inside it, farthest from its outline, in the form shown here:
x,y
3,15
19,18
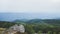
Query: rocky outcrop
x,y
14,29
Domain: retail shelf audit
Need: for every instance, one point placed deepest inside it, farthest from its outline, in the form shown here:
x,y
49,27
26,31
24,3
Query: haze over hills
x,y
20,16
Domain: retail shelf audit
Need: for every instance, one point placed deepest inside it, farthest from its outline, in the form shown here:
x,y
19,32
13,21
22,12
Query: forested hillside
x,y
6,24
35,25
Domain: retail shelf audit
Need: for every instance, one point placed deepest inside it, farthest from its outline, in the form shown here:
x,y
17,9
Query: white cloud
x,y
30,6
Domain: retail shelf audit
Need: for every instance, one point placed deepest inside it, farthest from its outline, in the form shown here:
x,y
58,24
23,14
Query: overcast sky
x,y
39,8
29,6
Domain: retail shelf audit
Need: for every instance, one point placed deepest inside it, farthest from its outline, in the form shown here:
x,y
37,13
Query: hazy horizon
x,y
29,9
14,16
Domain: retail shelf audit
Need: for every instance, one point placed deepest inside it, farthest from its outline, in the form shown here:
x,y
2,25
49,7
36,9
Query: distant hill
x,y
55,22
20,20
39,21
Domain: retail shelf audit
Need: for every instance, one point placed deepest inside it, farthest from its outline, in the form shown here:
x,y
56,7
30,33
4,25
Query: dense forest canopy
x,y
35,25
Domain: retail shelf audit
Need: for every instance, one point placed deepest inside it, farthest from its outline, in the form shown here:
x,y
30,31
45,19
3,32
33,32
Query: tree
x,y
54,32
49,32
40,32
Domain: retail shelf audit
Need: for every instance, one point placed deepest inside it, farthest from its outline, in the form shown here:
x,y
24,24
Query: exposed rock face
x,y
21,28
16,28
